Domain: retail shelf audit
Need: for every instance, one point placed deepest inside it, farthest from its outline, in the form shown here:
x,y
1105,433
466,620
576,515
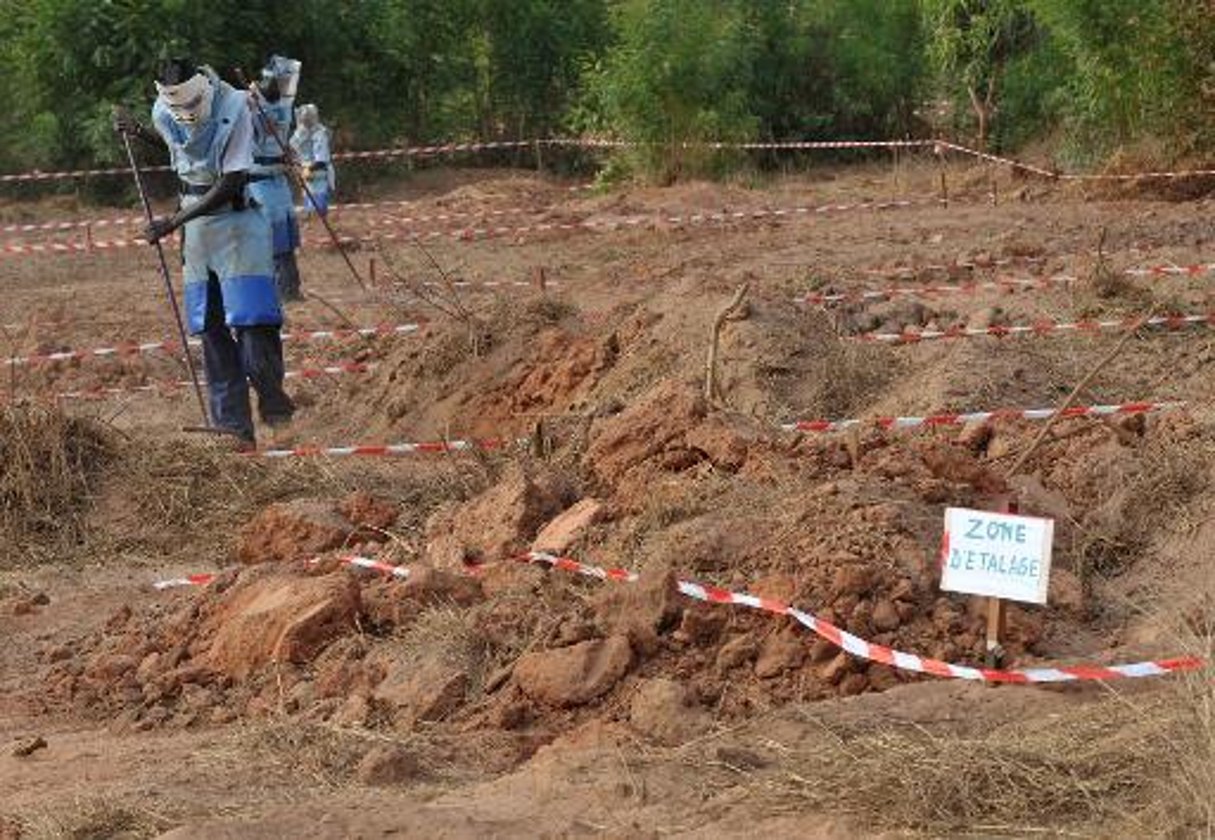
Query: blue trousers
x,y
234,359
287,277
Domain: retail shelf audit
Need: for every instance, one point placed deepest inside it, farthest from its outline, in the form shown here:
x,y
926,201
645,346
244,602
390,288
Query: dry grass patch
x,y
49,468
94,819
1095,769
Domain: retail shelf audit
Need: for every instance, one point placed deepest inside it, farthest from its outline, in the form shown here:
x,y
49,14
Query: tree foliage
x,y
1095,74
973,42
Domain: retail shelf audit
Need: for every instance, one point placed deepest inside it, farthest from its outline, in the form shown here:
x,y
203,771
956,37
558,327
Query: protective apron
x,y
235,245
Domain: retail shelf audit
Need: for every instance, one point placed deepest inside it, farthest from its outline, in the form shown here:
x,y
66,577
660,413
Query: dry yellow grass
x,y
49,465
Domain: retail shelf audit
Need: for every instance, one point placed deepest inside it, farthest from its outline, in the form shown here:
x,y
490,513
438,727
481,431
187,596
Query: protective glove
x,y
125,123
158,229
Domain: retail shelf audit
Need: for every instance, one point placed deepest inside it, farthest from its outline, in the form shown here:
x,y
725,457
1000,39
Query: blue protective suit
x,y
311,144
234,245
230,296
271,190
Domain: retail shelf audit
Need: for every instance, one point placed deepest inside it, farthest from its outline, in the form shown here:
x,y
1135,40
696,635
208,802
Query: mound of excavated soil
x,y
631,468
477,641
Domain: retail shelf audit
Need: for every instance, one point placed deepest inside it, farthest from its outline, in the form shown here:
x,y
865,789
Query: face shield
x,y
307,116
284,73
189,102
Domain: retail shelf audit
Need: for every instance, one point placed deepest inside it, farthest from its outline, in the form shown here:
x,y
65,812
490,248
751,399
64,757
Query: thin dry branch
x,y
712,390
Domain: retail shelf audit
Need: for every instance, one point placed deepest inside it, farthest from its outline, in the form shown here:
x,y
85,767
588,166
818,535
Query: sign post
x,y
999,555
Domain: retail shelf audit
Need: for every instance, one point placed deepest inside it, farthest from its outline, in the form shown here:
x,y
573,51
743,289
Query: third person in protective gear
x,y
311,143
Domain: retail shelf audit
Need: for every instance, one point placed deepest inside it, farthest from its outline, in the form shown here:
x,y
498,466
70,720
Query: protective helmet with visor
x,y
280,77
189,100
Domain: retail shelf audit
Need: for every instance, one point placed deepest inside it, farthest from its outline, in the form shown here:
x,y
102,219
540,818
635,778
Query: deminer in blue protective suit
x,y
273,115
230,297
311,144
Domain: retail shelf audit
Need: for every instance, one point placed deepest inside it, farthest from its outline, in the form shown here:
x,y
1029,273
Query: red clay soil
x,y
485,696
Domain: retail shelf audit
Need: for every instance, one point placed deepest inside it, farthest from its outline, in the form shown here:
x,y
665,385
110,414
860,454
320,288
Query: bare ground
x,y
489,698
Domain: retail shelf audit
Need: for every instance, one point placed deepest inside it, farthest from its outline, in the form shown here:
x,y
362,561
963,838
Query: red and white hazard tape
x,y
1172,270
636,222
354,561
337,209
178,386
1001,284
964,418
467,234
442,149
939,146
943,145
385,450
414,151
36,175
103,245
72,224
1039,328
401,294
171,347
775,145
911,272
433,218
199,579
872,652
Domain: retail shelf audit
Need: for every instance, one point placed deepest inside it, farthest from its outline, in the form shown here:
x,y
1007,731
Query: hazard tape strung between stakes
x,y
911,272
400,293
964,418
385,449
1064,176
453,148
1044,327
414,151
1172,270
465,234
872,652
939,146
1000,284
205,579
138,222
173,387
842,639
172,347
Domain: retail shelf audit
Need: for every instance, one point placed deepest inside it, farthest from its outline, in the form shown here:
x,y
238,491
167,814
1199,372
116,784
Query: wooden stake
x,y
995,627
995,606
853,441
1080,386
944,189
712,390
894,174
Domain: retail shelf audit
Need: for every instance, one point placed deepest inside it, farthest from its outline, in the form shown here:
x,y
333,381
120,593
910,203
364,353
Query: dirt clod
x,y
388,764
280,619
665,711
574,675
29,746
